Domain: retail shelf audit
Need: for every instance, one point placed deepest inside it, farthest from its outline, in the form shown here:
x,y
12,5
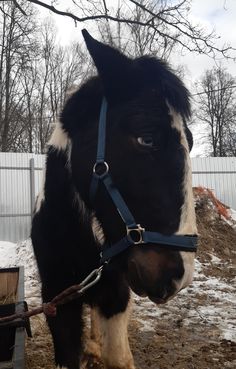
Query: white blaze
x,y
187,224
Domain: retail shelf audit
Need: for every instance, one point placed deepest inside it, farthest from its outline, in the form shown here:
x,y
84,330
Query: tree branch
x,y
174,24
19,7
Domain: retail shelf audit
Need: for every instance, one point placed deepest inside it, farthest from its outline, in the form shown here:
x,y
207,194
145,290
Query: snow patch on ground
x,y
233,214
7,254
21,254
208,300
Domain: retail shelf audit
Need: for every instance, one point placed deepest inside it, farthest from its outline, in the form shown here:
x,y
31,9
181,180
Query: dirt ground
x,y
197,329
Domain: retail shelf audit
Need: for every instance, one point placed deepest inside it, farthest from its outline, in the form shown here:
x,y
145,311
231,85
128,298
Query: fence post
x,y
32,186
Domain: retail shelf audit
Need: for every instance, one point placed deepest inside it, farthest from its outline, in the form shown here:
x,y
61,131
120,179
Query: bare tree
x,y
35,75
217,110
133,39
16,46
59,69
167,22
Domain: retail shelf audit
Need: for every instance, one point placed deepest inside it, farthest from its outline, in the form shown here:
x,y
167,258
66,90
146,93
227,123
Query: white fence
x,y
20,179
217,174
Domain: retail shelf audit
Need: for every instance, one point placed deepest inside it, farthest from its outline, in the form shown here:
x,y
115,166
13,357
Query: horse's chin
x,y
141,293
157,300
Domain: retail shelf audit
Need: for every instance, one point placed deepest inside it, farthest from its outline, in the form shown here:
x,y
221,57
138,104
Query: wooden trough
x,y
12,334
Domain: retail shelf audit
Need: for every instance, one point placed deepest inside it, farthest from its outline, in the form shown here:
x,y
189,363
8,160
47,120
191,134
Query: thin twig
x,y
19,7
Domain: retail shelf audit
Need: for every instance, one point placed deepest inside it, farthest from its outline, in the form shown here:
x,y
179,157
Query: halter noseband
x,y
135,234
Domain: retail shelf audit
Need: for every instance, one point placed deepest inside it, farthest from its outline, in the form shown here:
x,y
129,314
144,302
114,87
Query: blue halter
x,y
135,234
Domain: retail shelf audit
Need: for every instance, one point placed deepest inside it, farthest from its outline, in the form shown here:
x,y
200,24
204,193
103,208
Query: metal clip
x,y
86,284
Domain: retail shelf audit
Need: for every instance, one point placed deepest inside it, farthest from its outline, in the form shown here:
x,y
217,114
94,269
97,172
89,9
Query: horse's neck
x,y
66,220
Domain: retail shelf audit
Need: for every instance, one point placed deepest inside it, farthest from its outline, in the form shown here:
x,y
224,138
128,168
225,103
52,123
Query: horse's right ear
x,y
116,70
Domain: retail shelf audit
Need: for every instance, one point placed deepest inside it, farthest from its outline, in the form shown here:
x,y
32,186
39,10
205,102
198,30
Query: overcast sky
x,y
219,15
212,14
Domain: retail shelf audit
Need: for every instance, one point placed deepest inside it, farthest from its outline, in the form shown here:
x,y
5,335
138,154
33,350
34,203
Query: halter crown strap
x,y
101,172
135,233
102,132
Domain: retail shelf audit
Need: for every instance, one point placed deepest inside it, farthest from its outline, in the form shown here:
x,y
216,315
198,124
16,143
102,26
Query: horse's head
x,y
147,148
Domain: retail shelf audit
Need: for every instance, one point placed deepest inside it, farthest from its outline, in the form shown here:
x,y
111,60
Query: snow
x,y
208,300
21,254
7,254
216,307
233,214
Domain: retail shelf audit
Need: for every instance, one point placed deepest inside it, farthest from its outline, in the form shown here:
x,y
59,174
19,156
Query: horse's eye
x,y
146,141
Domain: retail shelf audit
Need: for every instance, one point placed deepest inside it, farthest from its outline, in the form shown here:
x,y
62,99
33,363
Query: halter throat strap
x,y
135,234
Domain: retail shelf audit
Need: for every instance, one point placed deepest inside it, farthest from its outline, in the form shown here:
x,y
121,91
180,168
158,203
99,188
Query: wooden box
x,y
12,334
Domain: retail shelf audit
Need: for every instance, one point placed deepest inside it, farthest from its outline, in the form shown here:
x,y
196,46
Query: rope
x,y
50,308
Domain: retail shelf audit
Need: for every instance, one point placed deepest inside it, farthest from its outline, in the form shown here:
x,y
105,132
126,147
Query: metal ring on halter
x,y
100,169
135,235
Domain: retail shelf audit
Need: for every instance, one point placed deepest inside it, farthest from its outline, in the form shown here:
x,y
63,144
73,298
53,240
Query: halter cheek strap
x,y
135,234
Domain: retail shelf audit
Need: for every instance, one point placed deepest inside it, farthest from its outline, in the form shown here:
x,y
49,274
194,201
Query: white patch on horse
x,y
92,344
114,341
97,230
41,196
187,224
59,139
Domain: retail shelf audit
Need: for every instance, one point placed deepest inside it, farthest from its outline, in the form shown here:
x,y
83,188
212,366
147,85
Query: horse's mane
x,y
145,73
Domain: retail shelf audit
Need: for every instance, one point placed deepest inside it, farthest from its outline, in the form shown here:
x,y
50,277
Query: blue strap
x,y
118,200
121,206
102,132
100,148
111,251
181,243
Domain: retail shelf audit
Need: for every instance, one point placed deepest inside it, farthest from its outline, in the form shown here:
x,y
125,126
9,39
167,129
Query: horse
x,y
116,197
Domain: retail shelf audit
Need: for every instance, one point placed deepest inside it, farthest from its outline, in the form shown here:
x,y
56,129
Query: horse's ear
x,y
115,69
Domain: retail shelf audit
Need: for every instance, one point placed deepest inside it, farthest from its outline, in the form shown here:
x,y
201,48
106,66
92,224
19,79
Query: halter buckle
x,y
135,235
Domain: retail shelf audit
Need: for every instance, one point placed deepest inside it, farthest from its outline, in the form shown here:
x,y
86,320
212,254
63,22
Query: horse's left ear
x,y
116,70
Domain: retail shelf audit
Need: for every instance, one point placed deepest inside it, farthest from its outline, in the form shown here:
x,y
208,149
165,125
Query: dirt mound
x,y
217,235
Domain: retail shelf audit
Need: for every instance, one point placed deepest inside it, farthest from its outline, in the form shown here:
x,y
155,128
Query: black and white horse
x,y
146,146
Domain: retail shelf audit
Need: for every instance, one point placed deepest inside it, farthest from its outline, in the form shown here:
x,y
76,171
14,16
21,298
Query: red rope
x,y
49,308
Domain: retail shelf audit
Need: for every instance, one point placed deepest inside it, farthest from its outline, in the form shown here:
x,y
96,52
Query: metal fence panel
x,y
15,194
217,174
21,178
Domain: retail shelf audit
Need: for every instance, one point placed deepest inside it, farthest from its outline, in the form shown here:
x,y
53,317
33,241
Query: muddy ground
x,y
197,329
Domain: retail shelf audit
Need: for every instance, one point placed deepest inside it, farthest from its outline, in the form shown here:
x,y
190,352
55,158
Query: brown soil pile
x,y
217,234
197,329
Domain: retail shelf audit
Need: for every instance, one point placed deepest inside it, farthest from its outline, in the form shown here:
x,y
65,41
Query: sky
x,y
217,15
